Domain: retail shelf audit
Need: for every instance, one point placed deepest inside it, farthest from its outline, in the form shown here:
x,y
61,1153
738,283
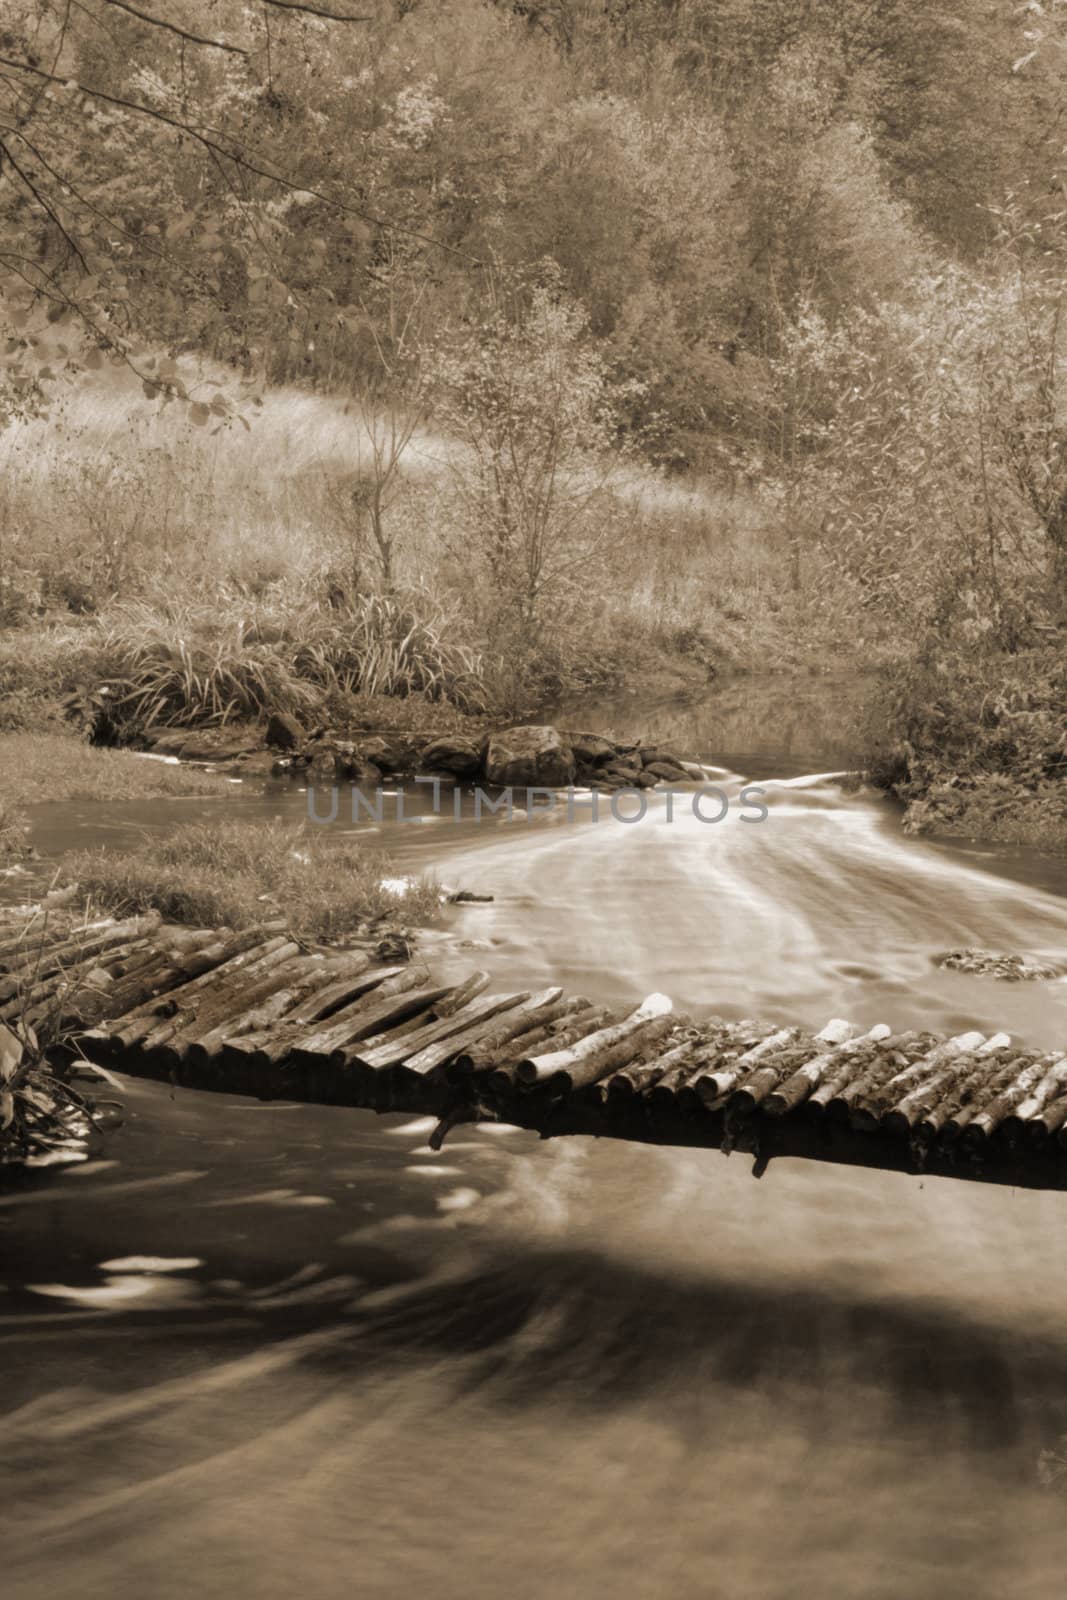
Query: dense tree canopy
x,y
252,179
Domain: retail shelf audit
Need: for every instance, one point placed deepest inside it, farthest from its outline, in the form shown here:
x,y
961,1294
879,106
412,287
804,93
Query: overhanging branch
x,y
172,27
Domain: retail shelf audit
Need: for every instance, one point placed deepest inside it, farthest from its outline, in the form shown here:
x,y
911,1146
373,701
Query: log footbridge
x,y
257,1012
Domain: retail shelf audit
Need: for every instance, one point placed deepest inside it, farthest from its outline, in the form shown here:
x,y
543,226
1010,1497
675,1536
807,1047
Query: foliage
x,y
975,745
526,398
228,874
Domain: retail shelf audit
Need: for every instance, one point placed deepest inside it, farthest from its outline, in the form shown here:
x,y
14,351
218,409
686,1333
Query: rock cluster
x,y
525,756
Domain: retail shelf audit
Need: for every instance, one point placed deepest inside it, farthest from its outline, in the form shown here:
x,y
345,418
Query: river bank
x,y
975,747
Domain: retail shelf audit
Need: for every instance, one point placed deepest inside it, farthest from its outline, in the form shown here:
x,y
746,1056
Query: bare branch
x,y
315,11
172,27
47,207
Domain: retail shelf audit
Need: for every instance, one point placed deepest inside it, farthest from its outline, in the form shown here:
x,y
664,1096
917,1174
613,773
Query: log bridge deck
x,y
259,1013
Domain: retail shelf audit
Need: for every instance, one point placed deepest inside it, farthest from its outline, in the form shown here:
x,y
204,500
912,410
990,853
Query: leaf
x,y
10,1054
94,360
1023,61
199,413
151,390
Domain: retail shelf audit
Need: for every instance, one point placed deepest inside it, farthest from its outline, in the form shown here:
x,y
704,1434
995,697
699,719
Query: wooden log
x,y
869,1109
96,993
1045,1090
676,1089
1047,1122
727,1074
966,1076
504,1076
260,1005
722,1044
586,1070
116,962
811,1074
569,1014
863,1066
998,1070
638,1077
398,997
343,1023
541,1008
174,1032
564,1062
214,964
458,997
432,1046
776,1066
352,982
38,964
925,1107
1030,1068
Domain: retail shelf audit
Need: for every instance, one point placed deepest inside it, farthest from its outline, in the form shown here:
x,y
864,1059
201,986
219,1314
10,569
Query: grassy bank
x,y
213,576
234,874
56,765
975,747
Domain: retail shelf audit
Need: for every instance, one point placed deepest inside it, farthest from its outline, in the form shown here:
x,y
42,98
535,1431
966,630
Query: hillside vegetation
x,y
483,350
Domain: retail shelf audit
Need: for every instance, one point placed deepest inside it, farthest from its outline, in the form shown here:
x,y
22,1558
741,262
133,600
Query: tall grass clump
x,y
233,661
235,873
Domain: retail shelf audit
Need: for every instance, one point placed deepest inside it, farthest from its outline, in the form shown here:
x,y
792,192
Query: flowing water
x,y
268,1350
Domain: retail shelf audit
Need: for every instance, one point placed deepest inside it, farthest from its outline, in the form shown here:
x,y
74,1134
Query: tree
x,y
525,396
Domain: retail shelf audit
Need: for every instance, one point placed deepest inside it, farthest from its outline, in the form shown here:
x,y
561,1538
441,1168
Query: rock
x,y
532,756
202,744
455,755
591,749
620,771
390,752
652,753
258,765
350,766
994,964
284,732
166,741
667,771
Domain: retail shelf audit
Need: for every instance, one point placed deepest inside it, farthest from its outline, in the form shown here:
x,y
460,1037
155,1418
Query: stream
x,y
267,1350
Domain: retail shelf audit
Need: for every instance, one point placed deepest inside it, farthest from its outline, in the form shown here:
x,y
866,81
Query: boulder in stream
x,y
450,754
531,756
